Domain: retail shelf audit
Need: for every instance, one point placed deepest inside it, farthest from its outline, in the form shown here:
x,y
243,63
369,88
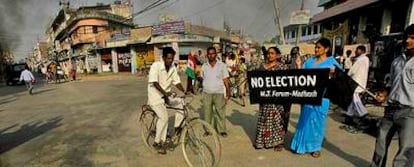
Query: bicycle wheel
x,y
147,121
200,148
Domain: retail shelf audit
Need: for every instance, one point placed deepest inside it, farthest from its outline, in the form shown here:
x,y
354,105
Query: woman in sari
x,y
272,123
310,129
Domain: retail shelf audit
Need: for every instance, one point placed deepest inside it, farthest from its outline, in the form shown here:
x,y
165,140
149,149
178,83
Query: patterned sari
x,y
272,122
310,129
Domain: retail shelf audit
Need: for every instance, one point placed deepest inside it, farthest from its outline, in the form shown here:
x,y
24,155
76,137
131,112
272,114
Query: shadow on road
x,y
35,92
370,122
7,100
331,147
12,90
246,121
26,132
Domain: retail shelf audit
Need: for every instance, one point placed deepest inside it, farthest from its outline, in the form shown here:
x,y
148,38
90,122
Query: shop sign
x,y
169,28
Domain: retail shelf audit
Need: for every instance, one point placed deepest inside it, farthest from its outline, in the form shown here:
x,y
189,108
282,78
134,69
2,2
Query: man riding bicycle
x,y
162,76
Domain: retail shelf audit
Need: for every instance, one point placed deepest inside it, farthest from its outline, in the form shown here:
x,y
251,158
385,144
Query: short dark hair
x,y
409,31
348,52
211,48
362,48
167,50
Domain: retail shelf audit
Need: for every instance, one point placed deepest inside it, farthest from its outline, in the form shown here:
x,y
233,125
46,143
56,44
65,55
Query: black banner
x,y
304,86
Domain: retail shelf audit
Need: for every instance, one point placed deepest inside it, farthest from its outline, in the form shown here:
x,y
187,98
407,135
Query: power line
x,y
205,9
163,8
149,7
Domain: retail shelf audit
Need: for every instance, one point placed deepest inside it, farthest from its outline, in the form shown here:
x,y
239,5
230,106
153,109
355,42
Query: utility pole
x,y
299,26
277,22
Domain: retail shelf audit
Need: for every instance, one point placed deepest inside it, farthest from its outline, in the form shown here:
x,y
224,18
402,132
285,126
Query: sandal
x,y
316,154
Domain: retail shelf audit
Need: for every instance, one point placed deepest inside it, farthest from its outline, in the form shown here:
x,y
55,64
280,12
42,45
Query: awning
x,y
341,9
141,40
323,2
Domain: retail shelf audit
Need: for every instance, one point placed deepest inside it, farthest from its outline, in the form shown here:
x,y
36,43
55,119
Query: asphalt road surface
x,y
93,122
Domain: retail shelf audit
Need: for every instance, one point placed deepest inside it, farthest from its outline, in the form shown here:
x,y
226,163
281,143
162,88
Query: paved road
x,y
93,122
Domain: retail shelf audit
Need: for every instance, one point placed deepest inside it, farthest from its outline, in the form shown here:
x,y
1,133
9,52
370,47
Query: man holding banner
x,y
399,114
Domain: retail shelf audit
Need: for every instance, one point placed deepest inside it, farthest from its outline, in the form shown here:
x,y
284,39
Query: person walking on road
x,y
271,131
242,80
28,79
399,114
310,130
359,73
215,78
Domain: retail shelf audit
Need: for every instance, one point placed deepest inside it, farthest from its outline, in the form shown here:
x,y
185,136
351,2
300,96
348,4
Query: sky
x,y
24,21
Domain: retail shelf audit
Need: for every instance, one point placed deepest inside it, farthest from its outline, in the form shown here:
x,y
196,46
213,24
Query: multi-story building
x,y
309,33
362,21
379,23
75,33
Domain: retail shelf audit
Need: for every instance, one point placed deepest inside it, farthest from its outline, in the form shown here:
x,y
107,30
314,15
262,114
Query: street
x,y
93,122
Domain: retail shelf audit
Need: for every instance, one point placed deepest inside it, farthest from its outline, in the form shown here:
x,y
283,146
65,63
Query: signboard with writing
x,y
124,62
300,17
169,28
304,86
122,35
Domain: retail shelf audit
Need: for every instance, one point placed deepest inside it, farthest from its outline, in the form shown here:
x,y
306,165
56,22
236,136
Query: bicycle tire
x,y
147,121
197,148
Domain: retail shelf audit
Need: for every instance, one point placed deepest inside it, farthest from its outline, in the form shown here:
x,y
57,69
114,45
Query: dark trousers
x,y
396,119
73,74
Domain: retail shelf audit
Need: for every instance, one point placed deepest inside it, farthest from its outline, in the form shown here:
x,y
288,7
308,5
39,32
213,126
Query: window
x,y
315,29
309,30
95,29
304,31
293,34
88,30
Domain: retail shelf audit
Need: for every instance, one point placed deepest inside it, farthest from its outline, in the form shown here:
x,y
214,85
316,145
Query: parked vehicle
x,y
13,74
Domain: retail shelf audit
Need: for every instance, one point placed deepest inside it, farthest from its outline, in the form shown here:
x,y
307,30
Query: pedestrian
x,y
215,78
310,129
190,72
294,53
242,79
73,70
346,61
232,70
270,130
28,79
359,73
399,114
162,76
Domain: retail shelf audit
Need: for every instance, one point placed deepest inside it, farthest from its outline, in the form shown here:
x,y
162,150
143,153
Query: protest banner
x,y
303,86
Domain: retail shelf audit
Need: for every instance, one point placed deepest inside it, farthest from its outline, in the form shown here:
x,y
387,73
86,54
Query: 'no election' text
x,y
283,81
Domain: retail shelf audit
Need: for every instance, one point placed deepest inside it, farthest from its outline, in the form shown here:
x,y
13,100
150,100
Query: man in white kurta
x,y
359,73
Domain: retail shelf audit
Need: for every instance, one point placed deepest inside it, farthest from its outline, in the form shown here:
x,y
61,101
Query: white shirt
x,y
359,72
159,74
26,75
213,77
347,62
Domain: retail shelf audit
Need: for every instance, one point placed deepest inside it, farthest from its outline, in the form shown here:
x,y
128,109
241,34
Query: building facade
x,y
377,23
74,34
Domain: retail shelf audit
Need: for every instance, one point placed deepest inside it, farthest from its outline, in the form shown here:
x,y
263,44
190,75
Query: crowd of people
x,y
217,74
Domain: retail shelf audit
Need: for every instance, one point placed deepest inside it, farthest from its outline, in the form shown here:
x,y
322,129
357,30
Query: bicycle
x,y
199,141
